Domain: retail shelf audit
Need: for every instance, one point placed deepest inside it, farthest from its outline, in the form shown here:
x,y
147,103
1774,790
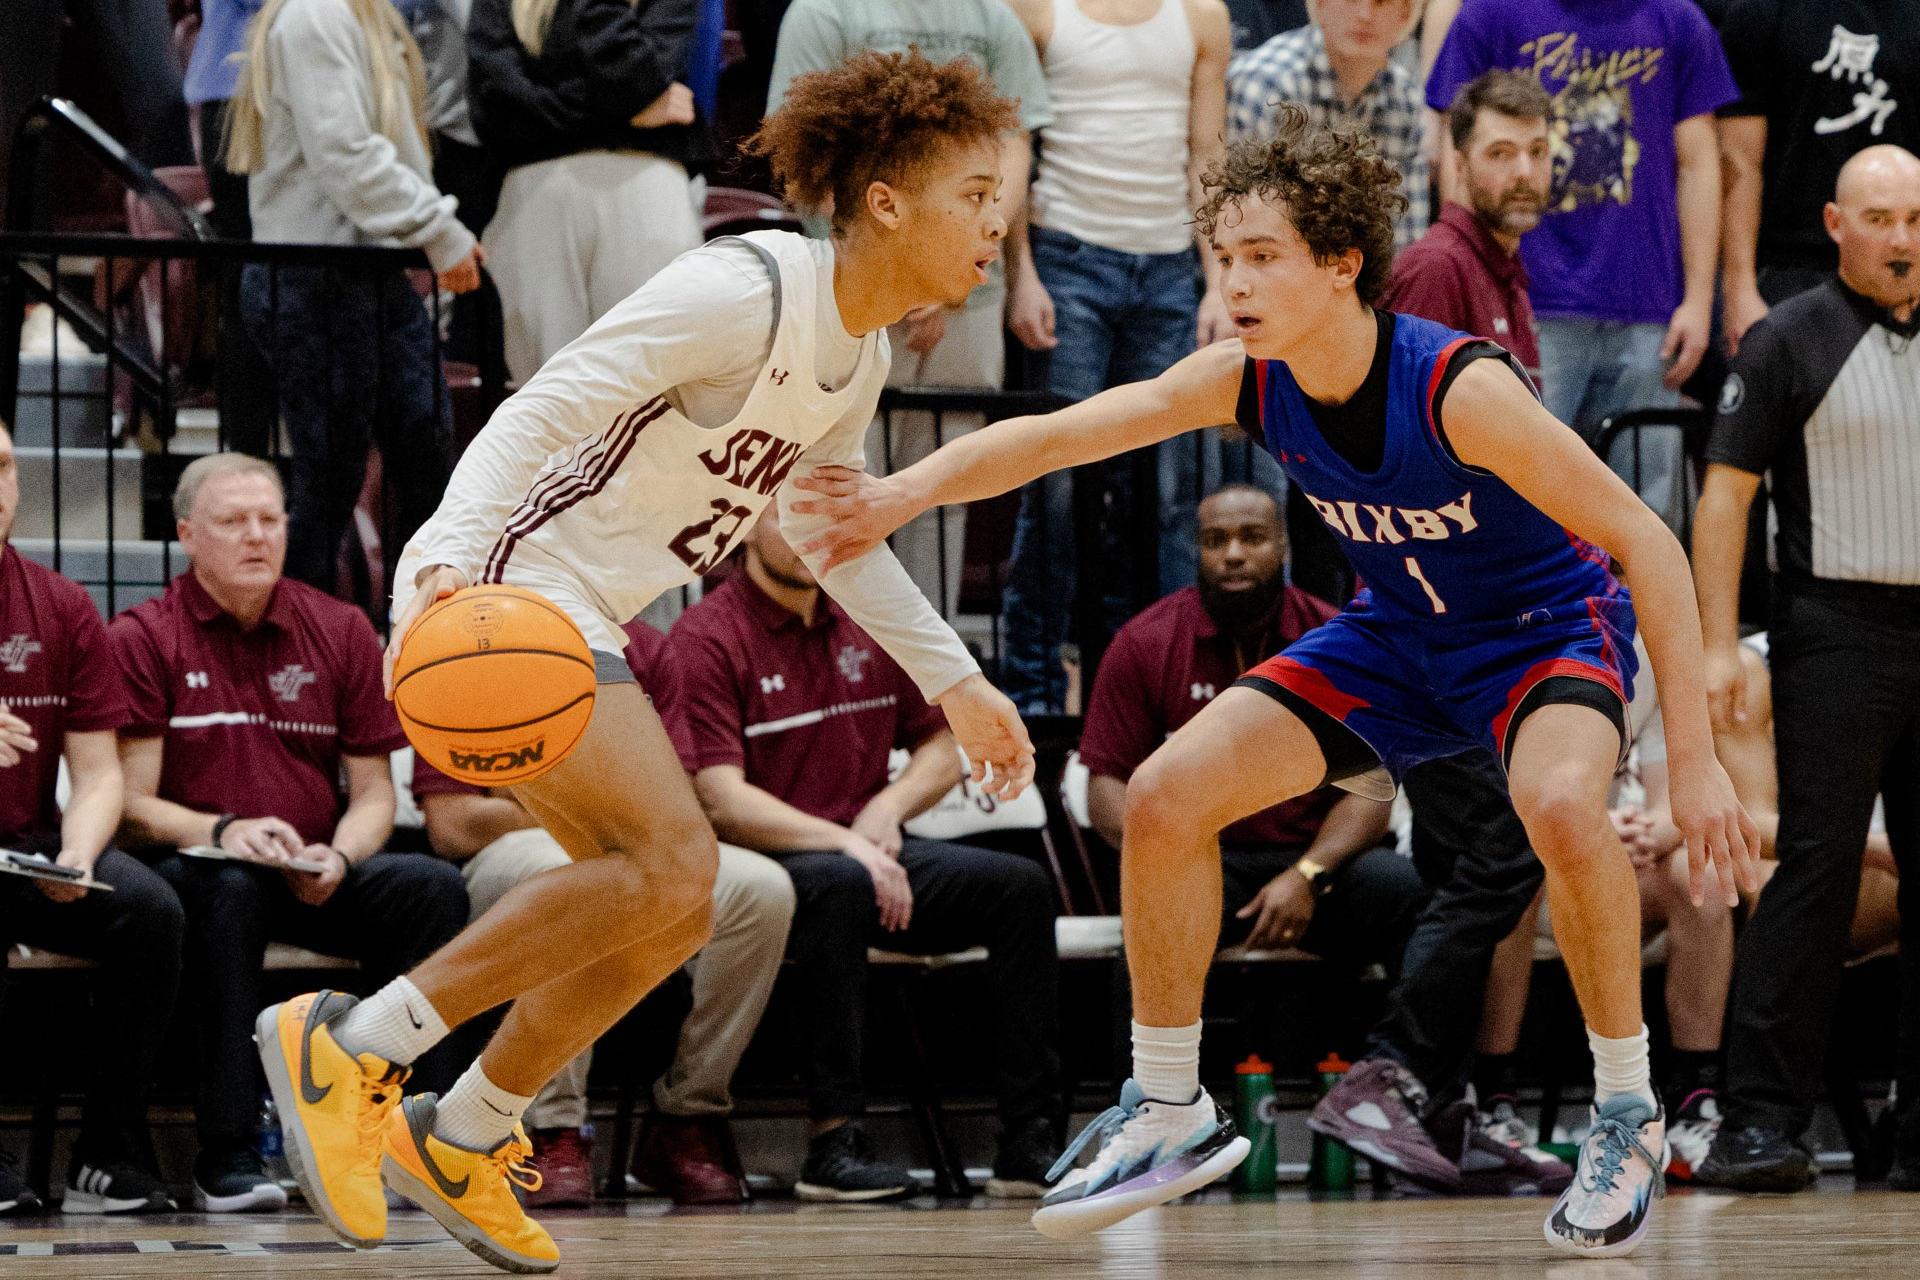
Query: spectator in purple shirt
x,y
1311,873
1623,265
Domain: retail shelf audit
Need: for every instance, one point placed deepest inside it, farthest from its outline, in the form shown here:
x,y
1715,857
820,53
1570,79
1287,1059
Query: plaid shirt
x,y
1293,67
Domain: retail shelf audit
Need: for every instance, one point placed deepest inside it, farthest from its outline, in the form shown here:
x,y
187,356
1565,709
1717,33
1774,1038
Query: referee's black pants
x,y
1846,724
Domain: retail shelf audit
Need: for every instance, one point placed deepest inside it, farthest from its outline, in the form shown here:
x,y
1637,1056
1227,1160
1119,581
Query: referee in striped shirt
x,y
1825,400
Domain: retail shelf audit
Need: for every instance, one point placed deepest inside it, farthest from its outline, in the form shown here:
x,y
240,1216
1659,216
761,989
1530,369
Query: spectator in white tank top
x,y
1103,278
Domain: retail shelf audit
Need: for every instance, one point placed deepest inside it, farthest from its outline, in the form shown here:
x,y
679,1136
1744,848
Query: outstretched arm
x,y
860,510
1496,424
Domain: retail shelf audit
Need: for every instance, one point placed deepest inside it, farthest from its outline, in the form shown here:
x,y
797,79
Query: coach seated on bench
x,y
248,699
1310,873
59,696
686,1148
786,712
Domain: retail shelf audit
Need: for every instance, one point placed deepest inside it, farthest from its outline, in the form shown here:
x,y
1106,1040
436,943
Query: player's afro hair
x,y
877,117
1333,185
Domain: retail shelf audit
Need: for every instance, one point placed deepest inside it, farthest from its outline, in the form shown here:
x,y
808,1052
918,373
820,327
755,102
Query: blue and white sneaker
x,y
1622,1171
1150,1152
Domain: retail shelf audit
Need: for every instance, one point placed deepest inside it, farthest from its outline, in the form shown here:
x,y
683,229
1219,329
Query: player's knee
x,y
1563,823
1154,800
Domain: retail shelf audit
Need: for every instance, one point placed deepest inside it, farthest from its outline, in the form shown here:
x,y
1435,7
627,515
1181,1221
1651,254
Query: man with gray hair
x,y
248,698
1821,399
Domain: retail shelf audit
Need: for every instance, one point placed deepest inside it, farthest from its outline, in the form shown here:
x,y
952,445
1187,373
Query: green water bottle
x,y
1332,1165
1254,1114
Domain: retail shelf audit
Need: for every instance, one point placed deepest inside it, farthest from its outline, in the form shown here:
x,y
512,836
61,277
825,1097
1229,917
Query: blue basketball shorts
x,y
1413,691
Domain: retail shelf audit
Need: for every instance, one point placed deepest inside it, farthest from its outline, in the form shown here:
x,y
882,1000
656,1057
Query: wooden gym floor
x,y
1696,1235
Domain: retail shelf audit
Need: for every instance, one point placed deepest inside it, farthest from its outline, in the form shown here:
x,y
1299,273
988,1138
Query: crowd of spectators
x,y
1616,193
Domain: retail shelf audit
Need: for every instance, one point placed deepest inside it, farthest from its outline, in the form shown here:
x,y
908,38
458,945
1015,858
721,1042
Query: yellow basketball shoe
x,y
470,1193
333,1109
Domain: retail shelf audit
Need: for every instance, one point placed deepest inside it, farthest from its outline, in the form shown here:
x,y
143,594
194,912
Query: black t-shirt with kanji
x,y
1832,77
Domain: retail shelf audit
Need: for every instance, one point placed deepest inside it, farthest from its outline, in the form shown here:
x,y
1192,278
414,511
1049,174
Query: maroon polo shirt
x,y
645,646
256,722
1164,666
810,712
1458,275
56,673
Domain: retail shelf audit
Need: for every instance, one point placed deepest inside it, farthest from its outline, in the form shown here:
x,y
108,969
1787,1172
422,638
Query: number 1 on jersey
x,y
1413,567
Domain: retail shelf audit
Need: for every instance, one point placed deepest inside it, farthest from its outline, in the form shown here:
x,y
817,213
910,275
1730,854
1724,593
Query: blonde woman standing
x,y
327,122
582,101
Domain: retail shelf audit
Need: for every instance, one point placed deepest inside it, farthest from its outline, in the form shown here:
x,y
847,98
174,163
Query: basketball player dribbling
x,y
1489,618
632,463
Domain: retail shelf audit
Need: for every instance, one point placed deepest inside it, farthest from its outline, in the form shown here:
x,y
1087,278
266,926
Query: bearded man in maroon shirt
x,y
1311,873
249,697
1465,272
59,696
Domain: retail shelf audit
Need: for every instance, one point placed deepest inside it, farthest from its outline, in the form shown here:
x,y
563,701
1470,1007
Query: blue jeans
x,y
353,356
1119,318
1598,369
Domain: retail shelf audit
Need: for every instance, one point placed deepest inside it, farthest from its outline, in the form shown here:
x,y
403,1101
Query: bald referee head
x,y
1874,217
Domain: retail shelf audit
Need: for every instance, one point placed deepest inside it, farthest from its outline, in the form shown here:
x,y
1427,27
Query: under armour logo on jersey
x,y
287,682
15,652
779,377
1202,692
853,663
196,679
772,684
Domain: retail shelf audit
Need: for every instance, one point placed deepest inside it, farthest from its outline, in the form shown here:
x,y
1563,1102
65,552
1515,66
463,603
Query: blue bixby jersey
x,y
1431,539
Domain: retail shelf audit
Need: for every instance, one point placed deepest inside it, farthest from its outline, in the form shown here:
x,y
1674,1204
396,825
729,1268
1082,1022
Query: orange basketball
x,y
494,685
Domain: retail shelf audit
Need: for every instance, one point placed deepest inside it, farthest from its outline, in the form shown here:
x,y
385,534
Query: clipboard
x,y
216,854
34,866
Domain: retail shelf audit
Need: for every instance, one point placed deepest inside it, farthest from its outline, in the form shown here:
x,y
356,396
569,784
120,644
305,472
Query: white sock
x,y
1166,1062
396,1023
1621,1066
478,1114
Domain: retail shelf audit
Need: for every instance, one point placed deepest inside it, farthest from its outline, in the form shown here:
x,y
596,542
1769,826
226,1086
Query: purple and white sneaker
x,y
1606,1210
1150,1152
1375,1110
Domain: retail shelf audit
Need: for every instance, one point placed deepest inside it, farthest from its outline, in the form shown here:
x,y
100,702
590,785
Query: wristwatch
x,y
1310,871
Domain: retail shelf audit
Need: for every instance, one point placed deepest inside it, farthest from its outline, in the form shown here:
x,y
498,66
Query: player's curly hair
x,y
1333,185
877,117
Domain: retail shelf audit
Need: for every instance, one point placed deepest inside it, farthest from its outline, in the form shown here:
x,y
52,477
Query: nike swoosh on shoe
x,y
451,1190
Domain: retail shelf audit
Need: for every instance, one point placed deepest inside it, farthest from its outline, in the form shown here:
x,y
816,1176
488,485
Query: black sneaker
x,y
841,1166
16,1197
1027,1151
1489,1164
232,1180
113,1186
1756,1159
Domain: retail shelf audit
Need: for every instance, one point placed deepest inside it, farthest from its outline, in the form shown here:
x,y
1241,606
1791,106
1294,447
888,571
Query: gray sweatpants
x,y
732,975
577,234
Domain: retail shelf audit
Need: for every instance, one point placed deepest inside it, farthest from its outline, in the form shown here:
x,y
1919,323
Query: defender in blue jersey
x,y
1489,616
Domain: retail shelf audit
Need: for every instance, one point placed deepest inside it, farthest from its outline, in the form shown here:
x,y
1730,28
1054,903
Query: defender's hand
x,y
437,582
989,730
864,510
1716,828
